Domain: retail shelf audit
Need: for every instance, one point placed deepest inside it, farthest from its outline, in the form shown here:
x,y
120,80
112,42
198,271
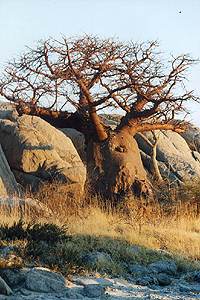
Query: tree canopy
x,y
90,74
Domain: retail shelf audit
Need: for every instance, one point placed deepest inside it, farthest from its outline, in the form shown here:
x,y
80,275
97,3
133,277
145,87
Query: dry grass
x,y
174,228
176,236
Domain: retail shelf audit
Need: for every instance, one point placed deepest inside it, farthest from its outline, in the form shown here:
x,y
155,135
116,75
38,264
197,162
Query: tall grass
x,y
170,223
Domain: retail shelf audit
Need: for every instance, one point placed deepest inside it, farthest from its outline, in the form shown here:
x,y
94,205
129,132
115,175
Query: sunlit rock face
x,y
33,146
8,184
175,158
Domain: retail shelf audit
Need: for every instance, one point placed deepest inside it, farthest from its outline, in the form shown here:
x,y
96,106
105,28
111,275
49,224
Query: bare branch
x,y
92,73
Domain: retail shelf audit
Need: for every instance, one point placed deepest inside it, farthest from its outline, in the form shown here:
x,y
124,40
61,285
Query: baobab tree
x,y
92,74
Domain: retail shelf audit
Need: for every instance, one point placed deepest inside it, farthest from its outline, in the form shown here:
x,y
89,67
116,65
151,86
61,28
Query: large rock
x,y
8,111
30,182
33,146
77,139
93,291
4,288
97,259
13,276
164,266
174,156
38,279
192,136
43,280
8,184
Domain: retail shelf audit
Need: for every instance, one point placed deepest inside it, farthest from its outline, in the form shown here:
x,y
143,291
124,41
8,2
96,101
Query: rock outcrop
x,y
8,184
4,288
42,283
77,139
34,147
8,111
37,152
175,158
192,137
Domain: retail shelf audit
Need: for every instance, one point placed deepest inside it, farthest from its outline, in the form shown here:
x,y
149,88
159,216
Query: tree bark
x,y
116,169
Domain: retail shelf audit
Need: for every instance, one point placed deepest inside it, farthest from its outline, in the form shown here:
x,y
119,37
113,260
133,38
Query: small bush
x,y
14,232
50,233
37,232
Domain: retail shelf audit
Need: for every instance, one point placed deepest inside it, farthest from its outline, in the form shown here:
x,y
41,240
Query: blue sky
x,y
23,22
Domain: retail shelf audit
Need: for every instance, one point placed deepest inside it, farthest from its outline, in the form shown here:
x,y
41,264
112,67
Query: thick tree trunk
x,y
115,167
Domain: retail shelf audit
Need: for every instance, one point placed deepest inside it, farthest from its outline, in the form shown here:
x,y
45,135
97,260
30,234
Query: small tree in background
x,y
92,74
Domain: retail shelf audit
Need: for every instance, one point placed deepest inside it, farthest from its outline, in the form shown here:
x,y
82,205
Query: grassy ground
x,y
169,228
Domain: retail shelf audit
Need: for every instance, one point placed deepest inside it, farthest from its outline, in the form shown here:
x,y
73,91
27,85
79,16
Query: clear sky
x,y
174,23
